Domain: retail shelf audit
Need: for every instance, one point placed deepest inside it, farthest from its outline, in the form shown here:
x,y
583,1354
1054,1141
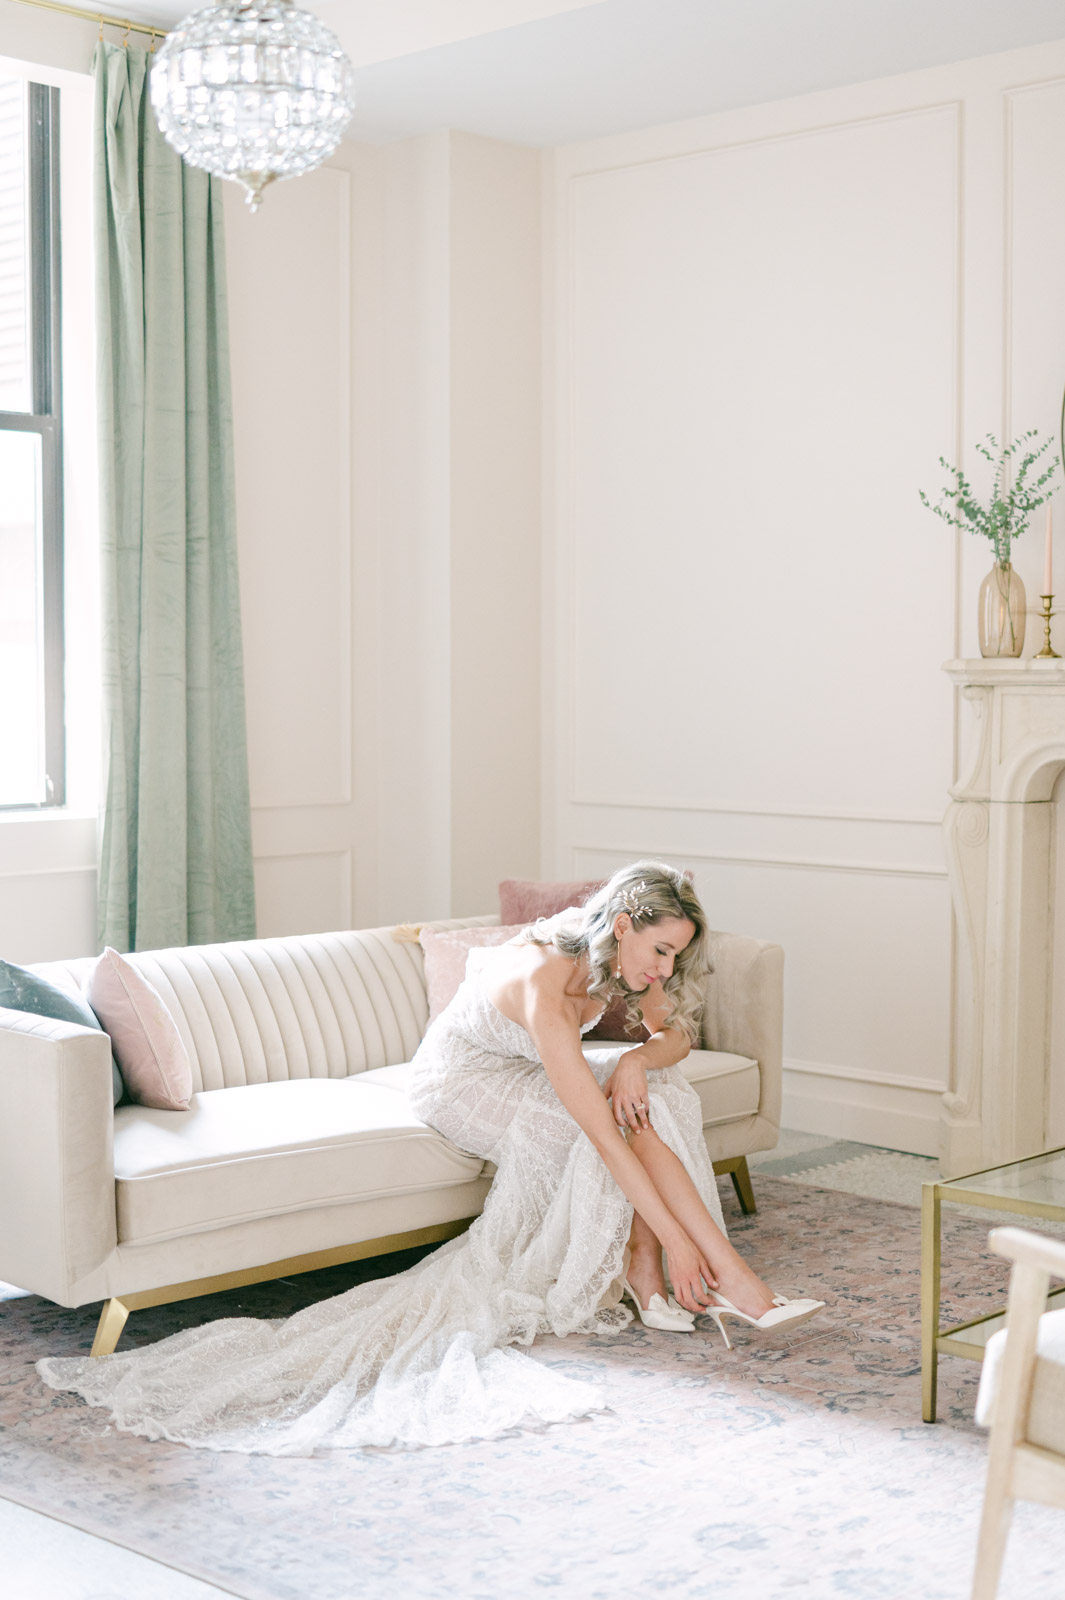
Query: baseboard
x,y
895,1116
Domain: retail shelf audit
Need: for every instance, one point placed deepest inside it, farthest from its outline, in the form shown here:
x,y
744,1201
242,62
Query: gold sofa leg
x,y
109,1328
737,1169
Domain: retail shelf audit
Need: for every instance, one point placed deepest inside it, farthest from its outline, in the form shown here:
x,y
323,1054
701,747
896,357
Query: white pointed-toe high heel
x,y
782,1312
668,1317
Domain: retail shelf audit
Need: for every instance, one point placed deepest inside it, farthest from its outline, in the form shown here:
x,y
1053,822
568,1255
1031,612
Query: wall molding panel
x,y
707,143
790,863
303,891
635,471
887,1080
889,1115
294,501
740,809
294,464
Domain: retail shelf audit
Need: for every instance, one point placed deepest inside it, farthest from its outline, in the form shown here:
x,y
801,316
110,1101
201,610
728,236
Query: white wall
x,y
385,336
761,330
384,344
767,325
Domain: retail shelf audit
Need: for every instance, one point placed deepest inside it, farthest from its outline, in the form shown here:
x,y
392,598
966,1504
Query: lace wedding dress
x,y
426,1357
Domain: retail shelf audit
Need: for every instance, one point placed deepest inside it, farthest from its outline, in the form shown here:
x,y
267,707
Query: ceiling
x,y
546,72
377,30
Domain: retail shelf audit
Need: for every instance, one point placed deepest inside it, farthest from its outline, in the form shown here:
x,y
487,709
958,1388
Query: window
x,y
32,746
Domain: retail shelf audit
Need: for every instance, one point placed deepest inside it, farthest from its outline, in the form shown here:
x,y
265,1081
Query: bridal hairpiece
x,y
630,899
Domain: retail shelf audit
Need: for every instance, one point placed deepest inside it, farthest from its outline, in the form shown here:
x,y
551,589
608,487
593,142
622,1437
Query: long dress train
x,y
426,1357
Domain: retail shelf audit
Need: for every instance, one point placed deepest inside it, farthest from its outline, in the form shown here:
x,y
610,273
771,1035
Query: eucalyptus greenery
x,y
1015,494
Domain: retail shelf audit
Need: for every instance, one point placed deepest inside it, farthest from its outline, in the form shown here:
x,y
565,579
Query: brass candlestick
x,y
1047,650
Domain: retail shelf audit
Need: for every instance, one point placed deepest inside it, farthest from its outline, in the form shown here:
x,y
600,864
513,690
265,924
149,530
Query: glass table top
x,y
1038,1180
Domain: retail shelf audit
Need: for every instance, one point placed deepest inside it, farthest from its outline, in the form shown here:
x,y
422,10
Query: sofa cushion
x,y
396,1077
728,1086
268,1148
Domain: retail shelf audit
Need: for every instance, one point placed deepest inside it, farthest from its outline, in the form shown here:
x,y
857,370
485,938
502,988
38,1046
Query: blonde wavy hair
x,y
649,892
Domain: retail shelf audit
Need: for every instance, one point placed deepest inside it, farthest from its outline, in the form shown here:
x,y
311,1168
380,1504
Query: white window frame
x,y
37,843
79,476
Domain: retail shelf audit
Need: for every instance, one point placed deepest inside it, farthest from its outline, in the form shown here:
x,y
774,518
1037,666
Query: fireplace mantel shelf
x,y
1028,672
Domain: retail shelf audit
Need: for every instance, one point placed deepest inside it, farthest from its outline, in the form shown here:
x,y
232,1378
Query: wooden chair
x,y
1022,1396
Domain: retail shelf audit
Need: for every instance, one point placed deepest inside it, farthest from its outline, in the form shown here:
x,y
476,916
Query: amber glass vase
x,y
1002,612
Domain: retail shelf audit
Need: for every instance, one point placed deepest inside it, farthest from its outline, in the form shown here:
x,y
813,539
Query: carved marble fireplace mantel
x,y
1000,830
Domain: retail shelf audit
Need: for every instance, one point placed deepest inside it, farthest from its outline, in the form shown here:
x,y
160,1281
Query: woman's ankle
x,y
645,1267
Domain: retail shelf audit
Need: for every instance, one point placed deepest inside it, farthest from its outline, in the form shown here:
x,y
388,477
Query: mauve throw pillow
x,y
144,1035
22,990
446,953
613,1027
522,901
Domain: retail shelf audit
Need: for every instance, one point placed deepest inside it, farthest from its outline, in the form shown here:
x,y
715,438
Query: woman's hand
x,y
627,1090
689,1274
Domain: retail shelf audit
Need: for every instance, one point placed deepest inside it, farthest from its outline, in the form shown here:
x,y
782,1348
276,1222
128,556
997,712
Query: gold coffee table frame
x,y
990,1190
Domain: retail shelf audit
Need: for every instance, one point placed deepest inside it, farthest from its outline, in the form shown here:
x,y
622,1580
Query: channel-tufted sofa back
x,y
320,1005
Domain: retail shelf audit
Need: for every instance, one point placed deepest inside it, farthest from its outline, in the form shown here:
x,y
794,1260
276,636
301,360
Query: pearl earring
x,y
617,974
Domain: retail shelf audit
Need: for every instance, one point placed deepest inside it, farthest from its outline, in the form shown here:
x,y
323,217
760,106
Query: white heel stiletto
x,y
782,1312
669,1317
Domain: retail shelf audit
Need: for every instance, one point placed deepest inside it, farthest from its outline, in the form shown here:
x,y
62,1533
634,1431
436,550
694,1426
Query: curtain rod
x,y
101,17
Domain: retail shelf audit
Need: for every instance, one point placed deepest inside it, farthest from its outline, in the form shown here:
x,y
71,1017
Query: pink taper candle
x,y
1048,570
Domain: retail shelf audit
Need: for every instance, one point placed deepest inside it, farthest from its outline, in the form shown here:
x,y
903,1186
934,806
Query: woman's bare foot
x,y
737,1282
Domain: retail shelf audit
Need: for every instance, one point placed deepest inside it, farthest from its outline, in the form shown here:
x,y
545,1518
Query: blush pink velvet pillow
x,y
522,901
612,1026
446,952
144,1036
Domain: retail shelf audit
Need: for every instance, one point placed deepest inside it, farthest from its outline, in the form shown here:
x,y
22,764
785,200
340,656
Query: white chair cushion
x,y
1046,1415
263,1149
397,1077
728,1086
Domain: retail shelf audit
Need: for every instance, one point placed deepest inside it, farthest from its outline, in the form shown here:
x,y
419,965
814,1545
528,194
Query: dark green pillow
x,y
22,990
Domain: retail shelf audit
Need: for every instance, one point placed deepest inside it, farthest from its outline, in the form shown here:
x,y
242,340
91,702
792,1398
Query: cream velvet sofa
x,y
300,1149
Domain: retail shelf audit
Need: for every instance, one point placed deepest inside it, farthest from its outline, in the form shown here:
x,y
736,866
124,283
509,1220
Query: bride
x,y
602,1168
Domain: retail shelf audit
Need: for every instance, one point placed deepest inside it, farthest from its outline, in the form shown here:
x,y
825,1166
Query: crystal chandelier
x,y
252,91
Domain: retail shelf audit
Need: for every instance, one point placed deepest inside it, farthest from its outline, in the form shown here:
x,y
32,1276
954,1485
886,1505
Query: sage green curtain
x,y
175,842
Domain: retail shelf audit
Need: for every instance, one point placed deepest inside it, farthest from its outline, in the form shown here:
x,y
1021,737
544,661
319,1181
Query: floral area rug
x,y
793,1466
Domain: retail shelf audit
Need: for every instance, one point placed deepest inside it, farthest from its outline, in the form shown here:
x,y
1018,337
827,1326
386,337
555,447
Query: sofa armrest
x,y
57,1169
744,1010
